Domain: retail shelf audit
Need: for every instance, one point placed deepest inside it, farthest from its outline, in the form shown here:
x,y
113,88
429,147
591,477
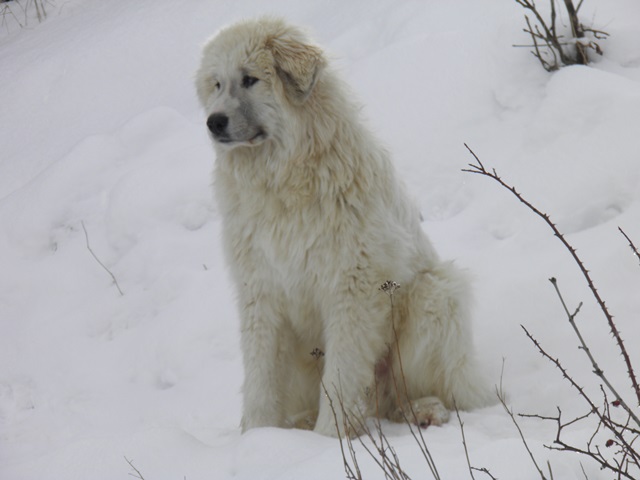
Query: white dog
x,y
315,222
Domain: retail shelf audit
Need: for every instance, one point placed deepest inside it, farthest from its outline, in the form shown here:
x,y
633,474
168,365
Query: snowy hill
x,y
104,157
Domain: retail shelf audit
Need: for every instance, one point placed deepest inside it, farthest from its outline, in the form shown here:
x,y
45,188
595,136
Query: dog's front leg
x,y
354,340
262,388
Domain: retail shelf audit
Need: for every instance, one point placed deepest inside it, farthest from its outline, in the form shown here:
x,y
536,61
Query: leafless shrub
x,y
613,443
22,12
553,49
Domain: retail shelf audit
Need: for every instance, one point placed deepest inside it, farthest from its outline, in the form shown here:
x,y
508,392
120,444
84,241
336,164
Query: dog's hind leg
x,y
434,359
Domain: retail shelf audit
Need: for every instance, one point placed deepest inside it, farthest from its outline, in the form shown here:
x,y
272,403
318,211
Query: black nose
x,y
217,123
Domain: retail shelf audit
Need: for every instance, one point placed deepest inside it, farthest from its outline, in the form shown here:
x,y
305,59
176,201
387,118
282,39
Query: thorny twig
x,y
604,420
584,347
625,461
479,168
619,466
631,244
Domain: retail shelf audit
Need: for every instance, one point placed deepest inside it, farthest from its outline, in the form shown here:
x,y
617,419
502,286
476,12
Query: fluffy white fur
x,y
315,220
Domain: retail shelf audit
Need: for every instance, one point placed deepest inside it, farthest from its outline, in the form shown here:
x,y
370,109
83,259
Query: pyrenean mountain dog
x,y
345,307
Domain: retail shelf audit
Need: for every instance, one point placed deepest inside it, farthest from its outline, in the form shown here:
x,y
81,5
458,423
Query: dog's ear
x,y
298,64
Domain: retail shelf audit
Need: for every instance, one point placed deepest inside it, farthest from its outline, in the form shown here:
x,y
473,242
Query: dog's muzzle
x,y
218,125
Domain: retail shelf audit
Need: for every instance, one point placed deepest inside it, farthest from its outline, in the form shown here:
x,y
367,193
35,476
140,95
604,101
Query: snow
x,y
100,131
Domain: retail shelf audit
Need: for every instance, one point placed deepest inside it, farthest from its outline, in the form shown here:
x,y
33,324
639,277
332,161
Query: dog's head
x,y
249,72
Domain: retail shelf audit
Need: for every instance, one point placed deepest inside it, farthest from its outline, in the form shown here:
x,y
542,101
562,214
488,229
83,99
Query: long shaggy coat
x,y
315,221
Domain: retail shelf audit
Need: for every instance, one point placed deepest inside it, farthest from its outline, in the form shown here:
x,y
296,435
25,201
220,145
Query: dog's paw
x,y
423,412
328,430
430,411
339,426
303,421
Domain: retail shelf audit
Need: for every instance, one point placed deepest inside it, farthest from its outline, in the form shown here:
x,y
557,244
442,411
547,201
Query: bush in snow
x,y
550,47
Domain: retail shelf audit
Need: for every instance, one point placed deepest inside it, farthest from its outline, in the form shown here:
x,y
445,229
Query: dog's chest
x,y
290,234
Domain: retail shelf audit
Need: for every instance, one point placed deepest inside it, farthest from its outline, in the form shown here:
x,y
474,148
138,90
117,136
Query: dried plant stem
x,y
317,354
86,236
6,12
390,287
355,428
382,453
24,7
466,449
137,472
503,402
464,441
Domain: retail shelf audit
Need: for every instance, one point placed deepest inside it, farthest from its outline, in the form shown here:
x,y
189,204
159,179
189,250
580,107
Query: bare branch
x,y
631,244
86,236
479,168
137,473
616,453
603,420
464,440
547,42
583,346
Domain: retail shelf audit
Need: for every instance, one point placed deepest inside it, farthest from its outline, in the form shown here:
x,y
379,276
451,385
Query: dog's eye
x,y
217,85
249,81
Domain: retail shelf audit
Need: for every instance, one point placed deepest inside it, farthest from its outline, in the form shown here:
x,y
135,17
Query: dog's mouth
x,y
228,141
